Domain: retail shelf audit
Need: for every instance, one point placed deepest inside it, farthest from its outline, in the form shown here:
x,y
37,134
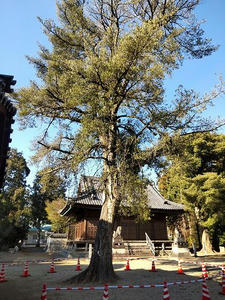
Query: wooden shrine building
x,y
87,206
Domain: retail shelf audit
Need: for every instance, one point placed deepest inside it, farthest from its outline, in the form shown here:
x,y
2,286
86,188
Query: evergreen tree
x,y
14,210
102,88
195,177
45,188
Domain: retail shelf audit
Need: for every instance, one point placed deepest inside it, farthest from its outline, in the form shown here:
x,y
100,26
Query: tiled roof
x,y
90,197
157,201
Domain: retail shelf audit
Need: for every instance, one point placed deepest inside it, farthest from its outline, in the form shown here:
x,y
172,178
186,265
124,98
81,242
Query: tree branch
x,y
54,148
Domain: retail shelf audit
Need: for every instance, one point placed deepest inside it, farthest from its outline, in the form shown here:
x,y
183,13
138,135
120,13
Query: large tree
x,y
14,206
194,175
102,88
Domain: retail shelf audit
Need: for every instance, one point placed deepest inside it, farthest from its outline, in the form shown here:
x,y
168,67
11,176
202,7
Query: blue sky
x,y
21,32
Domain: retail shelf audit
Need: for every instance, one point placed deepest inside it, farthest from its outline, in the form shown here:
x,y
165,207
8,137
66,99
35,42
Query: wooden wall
x,y
155,228
86,228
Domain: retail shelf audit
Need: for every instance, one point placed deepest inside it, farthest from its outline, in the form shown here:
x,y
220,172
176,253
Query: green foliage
x,y
102,86
14,211
195,177
206,193
59,223
45,188
133,195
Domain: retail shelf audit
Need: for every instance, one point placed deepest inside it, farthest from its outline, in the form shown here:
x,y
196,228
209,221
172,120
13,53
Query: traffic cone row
x,y
44,292
78,268
52,267
205,291
106,292
223,282
166,295
180,270
2,274
127,267
204,271
153,267
26,271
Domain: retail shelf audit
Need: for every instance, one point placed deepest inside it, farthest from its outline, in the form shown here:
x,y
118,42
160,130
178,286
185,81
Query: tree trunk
x,y
38,234
198,234
100,268
215,239
38,237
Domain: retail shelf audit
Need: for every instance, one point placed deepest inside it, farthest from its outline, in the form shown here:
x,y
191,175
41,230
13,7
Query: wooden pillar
x,y
85,229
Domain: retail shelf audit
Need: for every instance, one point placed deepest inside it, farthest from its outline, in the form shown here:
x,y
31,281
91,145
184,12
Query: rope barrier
x,y
91,288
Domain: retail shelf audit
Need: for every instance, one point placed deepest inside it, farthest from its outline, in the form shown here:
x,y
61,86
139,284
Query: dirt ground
x,y
29,288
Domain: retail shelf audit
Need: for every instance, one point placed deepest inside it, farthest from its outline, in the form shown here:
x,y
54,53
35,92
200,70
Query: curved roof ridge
x,y
157,201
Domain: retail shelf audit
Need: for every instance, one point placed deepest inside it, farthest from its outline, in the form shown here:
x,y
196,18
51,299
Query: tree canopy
x,y
45,189
102,91
195,177
14,210
105,74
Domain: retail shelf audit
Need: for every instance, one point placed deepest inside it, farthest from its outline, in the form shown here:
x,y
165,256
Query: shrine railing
x,y
150,243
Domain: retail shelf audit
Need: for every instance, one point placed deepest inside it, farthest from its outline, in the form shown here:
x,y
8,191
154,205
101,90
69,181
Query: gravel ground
x,y
29,288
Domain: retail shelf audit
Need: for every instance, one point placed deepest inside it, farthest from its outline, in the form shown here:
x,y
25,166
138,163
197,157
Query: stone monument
x,y
179,247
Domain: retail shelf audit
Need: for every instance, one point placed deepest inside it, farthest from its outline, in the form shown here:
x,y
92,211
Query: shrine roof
x,y
90,194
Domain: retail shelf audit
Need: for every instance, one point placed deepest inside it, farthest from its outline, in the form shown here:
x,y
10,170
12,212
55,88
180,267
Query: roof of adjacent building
x,y
90,194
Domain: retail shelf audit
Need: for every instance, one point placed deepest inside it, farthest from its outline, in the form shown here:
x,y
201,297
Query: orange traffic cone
x,y
106,292
166,295
78,268
26,271
223,282
52,267
44,292
127,267
153,267
205,291
204,271
180,270
2,274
